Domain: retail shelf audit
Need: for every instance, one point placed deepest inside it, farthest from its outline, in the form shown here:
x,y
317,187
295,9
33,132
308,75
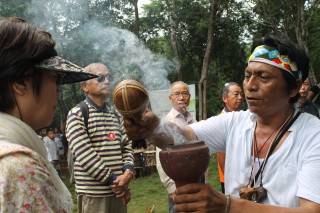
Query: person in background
x,y
31,73
180,99
43,133
314,92
272,150
52,149
101,182
58,141
303,104
232,97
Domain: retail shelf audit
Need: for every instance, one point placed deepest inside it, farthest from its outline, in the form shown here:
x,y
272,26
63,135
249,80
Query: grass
x,y
148,192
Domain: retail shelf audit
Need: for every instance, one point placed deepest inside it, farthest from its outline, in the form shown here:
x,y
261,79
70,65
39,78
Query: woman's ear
x,y
19,87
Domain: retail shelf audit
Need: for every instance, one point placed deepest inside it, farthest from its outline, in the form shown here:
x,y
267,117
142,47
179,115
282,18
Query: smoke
x,y
83,40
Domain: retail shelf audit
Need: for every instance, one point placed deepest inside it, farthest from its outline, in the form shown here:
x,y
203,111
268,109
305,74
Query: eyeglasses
x,y
102,78
177,94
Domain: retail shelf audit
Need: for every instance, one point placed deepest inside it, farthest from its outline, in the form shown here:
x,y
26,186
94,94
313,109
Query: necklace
x,y
252,191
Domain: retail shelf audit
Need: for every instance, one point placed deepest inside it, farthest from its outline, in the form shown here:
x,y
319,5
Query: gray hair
x,y
93,66
226,87
178,82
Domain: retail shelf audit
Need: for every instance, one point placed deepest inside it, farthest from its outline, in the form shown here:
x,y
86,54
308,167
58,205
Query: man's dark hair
x,y
49,130
294,52
21,46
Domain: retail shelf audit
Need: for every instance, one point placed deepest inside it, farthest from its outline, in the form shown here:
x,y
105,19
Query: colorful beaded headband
x,y
271,56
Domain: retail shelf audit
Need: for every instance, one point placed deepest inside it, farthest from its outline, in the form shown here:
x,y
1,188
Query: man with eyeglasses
x,y
180,98
232,96
103,155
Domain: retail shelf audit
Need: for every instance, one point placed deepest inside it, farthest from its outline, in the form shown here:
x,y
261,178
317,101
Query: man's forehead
x,y
101,71
179,87
261,67
234,88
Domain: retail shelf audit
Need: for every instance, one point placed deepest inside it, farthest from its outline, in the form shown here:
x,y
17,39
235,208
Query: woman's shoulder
x,y
24,180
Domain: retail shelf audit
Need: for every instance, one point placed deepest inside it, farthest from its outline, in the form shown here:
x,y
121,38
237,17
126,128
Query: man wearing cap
x,y
30,77
103,155
272,150
231,95
303,104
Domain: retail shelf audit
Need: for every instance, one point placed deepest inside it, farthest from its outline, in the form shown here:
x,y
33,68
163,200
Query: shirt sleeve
x,y
26,186
127,151
81,148
167,182
213,132
126,145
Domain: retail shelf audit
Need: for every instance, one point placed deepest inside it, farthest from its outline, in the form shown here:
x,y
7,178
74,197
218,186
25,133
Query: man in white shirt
x,y
52,149
272,150
180,98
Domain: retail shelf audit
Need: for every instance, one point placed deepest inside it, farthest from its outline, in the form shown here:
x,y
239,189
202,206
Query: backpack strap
x,y
85,113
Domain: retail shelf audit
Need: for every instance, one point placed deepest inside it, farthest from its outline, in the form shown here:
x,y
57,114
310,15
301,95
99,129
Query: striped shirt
x,y
102,153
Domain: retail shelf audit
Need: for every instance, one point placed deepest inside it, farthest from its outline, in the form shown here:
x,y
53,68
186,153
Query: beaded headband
x,y
271,56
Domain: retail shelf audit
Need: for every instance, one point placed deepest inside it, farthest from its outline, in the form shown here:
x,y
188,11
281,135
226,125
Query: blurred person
x,y
272,150
314,92
303,104
52,149
180,99
232,97
101,182
58,139
30,77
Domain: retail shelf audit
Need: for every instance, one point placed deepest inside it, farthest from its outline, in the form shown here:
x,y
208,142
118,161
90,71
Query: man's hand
x,y
120,185
142,128
197,197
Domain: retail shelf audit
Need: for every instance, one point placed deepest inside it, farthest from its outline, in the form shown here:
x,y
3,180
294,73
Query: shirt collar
x,y
104,108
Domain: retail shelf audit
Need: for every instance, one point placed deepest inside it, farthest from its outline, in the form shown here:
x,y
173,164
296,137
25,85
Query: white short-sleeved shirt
x,y
291,172
51,147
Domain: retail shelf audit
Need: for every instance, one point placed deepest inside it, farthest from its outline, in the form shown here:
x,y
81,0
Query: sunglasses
x,y
102,78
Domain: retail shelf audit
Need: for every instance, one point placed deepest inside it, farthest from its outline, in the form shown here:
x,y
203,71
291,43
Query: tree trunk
x,y
206,62
136,15
173,37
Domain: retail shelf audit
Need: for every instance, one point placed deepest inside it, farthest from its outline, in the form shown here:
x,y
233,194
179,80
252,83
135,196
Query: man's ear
x,y
19,87
224,99
296,90
84,86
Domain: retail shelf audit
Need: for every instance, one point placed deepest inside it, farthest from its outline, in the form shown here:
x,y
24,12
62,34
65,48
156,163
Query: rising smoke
x,y
80,39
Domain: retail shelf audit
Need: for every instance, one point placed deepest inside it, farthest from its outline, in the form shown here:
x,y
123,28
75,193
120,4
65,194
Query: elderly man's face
x,y
99,86
180,97
233,100
265,89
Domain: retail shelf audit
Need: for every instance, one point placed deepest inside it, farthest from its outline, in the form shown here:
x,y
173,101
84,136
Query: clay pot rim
x,y
171,147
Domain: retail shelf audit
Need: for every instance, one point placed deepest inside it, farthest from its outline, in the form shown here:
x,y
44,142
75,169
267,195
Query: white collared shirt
x,y
291,172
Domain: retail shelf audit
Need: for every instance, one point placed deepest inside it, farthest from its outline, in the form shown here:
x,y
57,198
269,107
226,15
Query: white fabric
x,y
174,117
51,148
57,139
293,171
17,132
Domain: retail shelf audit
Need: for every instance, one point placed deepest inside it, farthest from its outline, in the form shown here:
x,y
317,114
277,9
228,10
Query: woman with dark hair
x,y
30,78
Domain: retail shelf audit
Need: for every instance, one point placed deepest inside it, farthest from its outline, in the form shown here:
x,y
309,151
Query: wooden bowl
x,y
130,98
185,163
